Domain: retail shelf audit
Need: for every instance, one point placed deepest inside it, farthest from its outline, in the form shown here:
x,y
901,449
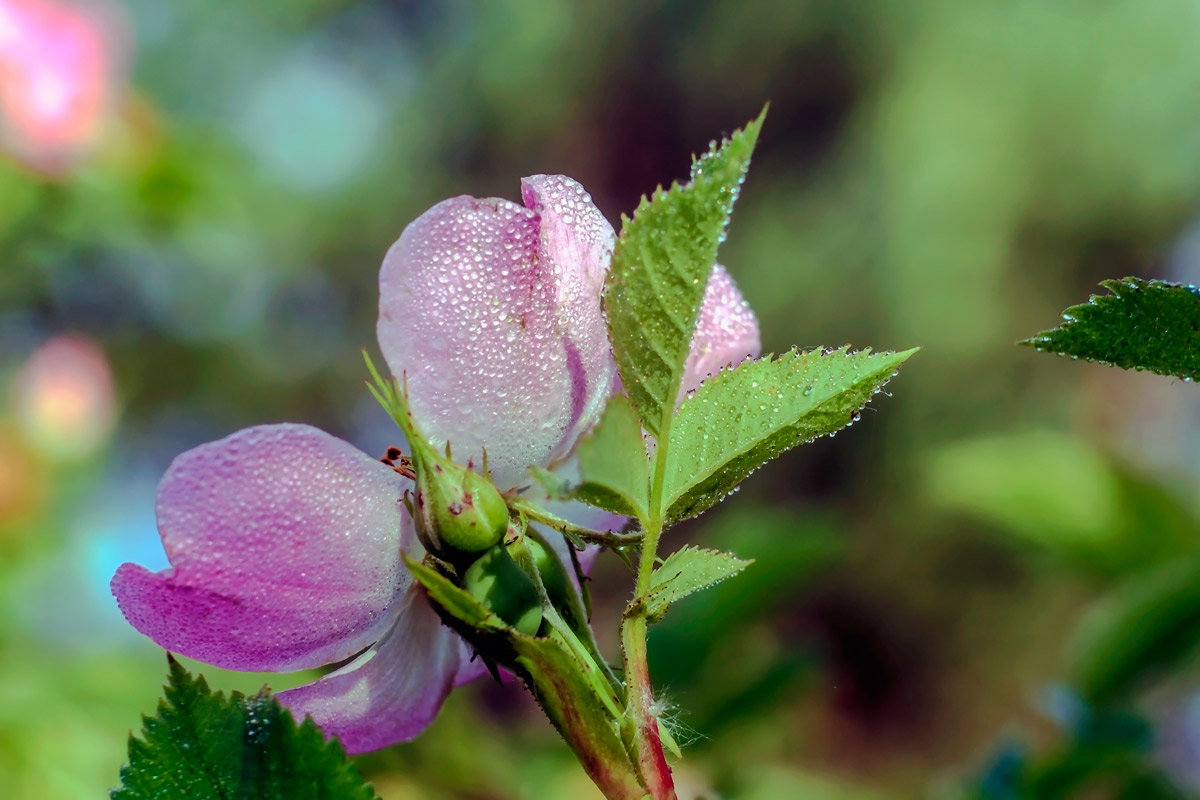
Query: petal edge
x,y
393,691
284,545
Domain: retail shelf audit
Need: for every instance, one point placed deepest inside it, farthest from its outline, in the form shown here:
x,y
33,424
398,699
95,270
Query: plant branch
x,y
643,717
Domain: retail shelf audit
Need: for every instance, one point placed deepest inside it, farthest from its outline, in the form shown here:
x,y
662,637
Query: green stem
x,y
615,541
642,716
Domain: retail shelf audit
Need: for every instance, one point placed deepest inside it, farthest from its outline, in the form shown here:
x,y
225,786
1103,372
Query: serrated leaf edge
x,y
846,350
658,589
633,383
1119,288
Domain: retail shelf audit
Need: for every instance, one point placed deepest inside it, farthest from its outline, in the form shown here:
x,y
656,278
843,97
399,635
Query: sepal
x,y
458,512
576,693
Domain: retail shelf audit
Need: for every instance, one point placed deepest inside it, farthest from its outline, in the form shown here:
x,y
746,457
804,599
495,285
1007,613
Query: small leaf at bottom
x,y
203,745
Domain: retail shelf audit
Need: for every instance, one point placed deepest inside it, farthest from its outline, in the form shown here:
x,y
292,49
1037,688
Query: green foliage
x,y
206,746
389,395
687,571
1047,488
1152,325
686,651
505,589
660,267
575,605
690,646
1108,753
555,486
741,418
1144,631
612,460
1065,496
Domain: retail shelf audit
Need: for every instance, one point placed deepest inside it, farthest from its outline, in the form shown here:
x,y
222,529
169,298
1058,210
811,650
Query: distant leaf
x,y
613,463
660,267
1152,325
1051,488
1140,633
206,746
1064,494
741,418
687,571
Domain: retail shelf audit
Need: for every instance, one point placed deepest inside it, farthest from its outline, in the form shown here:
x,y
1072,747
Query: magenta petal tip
x,y
284,545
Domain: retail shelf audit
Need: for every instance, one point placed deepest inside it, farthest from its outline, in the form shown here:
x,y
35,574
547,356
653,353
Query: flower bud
x,y
502,587
458,511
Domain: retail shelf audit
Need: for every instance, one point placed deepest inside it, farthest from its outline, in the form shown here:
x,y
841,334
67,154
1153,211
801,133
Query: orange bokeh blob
x,y
65,399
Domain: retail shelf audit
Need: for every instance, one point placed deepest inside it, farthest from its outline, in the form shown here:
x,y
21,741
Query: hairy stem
x,y
642,716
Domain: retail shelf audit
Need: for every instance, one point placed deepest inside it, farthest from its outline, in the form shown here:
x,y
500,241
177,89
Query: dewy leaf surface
x,y
1152,325
687,571
203,745
660,267
613,463
743,417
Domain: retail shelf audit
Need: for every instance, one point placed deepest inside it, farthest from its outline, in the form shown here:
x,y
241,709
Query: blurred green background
x,y
949,174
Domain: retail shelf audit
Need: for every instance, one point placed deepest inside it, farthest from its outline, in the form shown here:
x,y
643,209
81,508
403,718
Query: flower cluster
x,y
285,542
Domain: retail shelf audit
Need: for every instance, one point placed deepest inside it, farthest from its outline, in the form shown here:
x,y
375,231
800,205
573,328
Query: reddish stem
x,y
652,762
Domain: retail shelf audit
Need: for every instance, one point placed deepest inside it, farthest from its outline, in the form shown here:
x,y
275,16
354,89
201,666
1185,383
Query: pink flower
x,y
58,67
285,542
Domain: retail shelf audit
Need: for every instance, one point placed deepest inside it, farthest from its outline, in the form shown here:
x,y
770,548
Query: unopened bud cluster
x,y
462,518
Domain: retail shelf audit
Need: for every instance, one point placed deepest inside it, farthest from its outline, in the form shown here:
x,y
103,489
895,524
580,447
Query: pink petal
x,y
285,550
726,331
471,667
492,311
391,692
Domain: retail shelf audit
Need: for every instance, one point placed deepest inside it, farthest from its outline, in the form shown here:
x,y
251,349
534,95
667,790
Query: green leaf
x,y
612,460
1141,633
206,746
741,418
1152,325
660,266
1049,488
1063,494
687,571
